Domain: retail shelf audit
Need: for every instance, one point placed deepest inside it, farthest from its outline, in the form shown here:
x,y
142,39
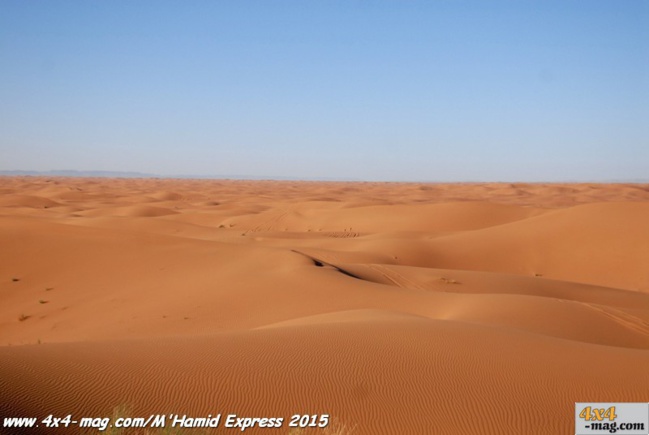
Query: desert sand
x,y
395,308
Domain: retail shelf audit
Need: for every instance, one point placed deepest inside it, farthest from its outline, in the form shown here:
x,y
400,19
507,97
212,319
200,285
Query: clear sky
x,y
371,90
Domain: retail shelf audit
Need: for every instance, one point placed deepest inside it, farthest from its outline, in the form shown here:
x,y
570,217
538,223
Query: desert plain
x,y
394,308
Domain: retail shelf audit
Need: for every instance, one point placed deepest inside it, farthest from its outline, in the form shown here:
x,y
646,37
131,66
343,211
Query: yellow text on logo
x,y
598,414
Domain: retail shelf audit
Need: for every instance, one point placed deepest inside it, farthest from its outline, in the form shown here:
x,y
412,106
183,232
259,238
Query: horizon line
x,y
75,173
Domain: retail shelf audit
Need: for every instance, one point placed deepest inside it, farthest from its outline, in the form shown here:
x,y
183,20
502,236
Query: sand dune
x,y
28,201
388,374
602,243
393,307
129,211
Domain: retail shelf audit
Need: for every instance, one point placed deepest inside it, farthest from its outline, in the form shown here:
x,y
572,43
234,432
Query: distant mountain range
x,y
126,174
74,173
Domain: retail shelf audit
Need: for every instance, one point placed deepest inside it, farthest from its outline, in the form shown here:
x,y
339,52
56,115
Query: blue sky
x,y
370,90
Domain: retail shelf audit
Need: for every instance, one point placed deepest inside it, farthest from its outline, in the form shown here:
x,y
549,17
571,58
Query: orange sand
x,y
393,307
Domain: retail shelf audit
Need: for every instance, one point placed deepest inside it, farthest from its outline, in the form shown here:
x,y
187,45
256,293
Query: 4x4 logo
x,y
598,414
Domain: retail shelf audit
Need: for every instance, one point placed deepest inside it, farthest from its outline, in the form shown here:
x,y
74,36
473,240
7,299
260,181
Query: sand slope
x,y
396,308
